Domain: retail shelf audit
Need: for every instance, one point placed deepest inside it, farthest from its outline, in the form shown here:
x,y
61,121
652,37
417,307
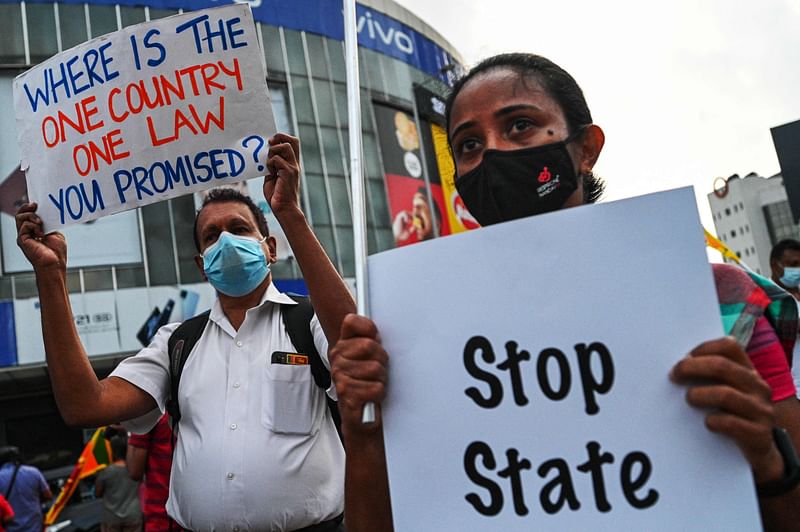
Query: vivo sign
x,y
390,36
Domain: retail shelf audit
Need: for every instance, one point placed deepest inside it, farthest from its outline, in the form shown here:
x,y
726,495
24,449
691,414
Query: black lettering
x,y
630,486
590,384
512,366
563,370
480,343
594,465
475,450
512,472
562,480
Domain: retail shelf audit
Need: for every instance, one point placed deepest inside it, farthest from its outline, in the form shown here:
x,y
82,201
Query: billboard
x,y
787,145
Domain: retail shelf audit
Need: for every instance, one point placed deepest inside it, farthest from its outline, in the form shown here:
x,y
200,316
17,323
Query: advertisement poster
x,y
545,403
412,204
147,113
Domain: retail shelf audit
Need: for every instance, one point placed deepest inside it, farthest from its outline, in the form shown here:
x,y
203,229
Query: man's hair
x,y
227,194
557,83
9,453
782,247
119,447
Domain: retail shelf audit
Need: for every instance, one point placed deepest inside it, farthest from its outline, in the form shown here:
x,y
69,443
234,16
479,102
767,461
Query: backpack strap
x,y
179,346
13,478
297,320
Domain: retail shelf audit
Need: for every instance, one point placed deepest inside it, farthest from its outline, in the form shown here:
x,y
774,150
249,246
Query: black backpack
x,y
296,319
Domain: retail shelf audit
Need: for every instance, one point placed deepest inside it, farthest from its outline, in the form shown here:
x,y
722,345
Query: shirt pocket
x,y
287,399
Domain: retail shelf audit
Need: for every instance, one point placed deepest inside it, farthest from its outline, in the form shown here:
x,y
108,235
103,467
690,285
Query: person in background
x,y
25,489
784,261
149,460
120,493
6,514
514,122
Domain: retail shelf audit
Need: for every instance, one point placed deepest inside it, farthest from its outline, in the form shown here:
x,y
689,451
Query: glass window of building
x,y
323,94
340,200
294,52
302,100
272,48
320,214
309,149
336,58
42,33
131,15
162,13
733,233
159,244
727,211
102,19
12,45
332,151
72,20
316,56
97,279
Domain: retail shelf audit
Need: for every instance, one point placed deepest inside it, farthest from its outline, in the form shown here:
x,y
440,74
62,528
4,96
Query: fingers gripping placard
x,y
144,114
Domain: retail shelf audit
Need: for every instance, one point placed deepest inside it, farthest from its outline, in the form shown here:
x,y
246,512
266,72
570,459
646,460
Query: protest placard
x,y
529,383
144,114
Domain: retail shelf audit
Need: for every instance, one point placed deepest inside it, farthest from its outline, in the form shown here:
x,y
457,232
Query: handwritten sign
x,y
144,114
529,381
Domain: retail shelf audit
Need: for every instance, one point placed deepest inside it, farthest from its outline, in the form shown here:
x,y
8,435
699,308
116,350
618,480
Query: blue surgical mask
x,y
791,277
235,265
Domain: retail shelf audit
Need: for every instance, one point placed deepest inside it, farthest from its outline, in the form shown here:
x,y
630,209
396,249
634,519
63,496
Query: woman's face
x,y
501,110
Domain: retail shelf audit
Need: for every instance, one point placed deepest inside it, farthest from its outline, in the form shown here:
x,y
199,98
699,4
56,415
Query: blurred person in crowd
x,y
149,460
784,261
25,489
516,122
120,493
256,446
6,513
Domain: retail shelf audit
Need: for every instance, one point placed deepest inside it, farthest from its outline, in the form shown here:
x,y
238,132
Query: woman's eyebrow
x,y
513,108
460,127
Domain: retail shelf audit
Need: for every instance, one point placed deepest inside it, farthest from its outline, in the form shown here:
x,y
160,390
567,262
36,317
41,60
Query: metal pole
x,y
356,170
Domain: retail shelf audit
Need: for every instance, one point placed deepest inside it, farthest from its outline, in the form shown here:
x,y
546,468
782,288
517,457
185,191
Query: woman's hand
x,y
721,378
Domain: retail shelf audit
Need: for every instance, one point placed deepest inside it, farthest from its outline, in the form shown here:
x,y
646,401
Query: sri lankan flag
x,y
94,457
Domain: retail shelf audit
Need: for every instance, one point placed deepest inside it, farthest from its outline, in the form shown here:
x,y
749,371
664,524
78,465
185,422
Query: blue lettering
x,y
120,187
161,50
140,175
75,76
107,61
59,203
62,82
44,95
233,33
209,174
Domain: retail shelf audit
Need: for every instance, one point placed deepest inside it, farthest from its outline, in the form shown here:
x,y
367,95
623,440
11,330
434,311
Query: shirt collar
x,y
271,295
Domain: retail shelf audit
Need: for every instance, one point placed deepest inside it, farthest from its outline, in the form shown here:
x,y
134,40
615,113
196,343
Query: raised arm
x,y
82,399
331,299
358,366
722,379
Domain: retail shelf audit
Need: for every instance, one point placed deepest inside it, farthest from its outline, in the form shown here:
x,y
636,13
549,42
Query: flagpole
x,y
356,171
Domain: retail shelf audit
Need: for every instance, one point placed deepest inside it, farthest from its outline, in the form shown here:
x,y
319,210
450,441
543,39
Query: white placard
x,y
557,304
144,114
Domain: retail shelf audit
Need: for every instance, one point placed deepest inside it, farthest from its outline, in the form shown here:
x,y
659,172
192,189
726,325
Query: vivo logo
x,y
390,37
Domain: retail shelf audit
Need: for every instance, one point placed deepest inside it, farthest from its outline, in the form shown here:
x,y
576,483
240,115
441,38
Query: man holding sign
x,y
256,446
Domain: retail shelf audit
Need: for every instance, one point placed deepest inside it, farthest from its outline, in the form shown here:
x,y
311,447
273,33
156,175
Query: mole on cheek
x,y
550,132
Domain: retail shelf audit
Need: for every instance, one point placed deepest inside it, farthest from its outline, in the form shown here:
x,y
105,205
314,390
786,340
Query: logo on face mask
x,y
544,176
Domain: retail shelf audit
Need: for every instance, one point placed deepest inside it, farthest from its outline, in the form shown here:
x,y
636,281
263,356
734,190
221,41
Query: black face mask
x,y
507,185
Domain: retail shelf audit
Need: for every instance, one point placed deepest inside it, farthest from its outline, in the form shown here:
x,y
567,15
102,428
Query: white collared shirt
x,y
257,448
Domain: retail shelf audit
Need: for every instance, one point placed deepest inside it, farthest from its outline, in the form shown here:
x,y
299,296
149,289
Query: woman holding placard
x,y
524,143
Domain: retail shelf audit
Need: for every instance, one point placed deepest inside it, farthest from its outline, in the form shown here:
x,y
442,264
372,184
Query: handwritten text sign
x,y
144,114
529,371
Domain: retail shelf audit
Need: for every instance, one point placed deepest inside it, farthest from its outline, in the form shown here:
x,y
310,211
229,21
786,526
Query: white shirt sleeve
x,y
149,371
321,343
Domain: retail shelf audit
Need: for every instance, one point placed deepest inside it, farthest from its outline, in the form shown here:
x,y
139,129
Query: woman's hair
x,y
557,83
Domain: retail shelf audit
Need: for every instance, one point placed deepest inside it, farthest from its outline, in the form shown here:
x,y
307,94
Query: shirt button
x,y
233,426
230,476
236,385
238,343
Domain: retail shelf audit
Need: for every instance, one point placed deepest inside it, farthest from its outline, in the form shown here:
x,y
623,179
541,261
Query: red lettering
x,y
50,120
114,116
89,109
236,72
219,121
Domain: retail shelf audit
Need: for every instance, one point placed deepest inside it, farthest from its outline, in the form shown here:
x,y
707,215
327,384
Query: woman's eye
x,y
468,146
521,124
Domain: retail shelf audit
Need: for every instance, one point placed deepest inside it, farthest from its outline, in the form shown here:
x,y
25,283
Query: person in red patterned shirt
x,y
150,457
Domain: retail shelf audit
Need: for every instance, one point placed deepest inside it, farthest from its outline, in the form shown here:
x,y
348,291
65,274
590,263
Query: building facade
x,y
133,270
751,215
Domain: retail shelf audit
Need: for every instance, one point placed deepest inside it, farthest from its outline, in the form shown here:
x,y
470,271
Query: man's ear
x,y
591,145
272,247
198,260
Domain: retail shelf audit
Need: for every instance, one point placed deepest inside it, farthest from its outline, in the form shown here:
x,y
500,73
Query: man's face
x,y
789,259
233,217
